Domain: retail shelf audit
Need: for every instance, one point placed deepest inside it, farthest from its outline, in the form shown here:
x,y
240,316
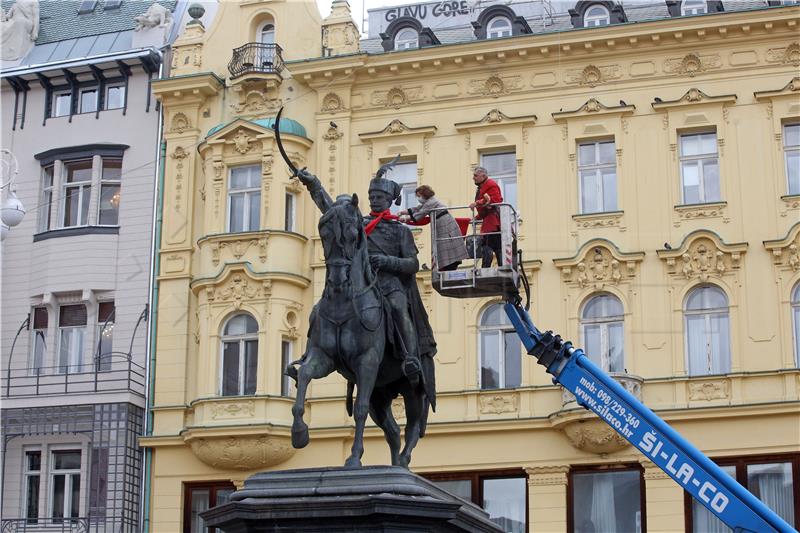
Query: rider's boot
x,y
412,369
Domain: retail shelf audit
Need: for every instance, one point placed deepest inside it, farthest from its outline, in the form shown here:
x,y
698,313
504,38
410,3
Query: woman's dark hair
x,y
425,191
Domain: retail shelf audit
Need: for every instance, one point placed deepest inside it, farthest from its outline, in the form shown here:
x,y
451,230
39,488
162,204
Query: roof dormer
x,y
592,13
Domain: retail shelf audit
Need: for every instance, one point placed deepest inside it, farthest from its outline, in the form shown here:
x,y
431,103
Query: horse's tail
x,y
349,402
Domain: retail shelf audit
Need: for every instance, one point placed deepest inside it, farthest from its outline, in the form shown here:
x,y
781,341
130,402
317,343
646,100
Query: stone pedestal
x,y
370,499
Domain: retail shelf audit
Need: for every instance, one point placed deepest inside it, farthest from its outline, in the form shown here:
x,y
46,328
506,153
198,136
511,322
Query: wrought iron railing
x,y
44,525
109,373
256,58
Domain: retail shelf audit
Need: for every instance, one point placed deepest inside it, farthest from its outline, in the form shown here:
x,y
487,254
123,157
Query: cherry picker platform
x,y
597,392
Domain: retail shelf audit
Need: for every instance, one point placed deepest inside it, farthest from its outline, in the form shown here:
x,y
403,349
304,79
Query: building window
x,y
606,500
33,477
289,213
405,39
502,168
693,7
288,387
601,326
62,101
700,168
88,101
244,199
65,484
38,340
71,332
199,497
266,34
46,198
707,337
405,174
596,15
498,27
110,183
105,335
500,350
239,356
77,191
770,479
796,321
115,96
597,172
504,494
791,150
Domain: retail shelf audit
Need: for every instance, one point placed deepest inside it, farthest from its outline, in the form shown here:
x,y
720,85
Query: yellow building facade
x,y
653,169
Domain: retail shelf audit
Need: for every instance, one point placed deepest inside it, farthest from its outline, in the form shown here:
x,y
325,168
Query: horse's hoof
x,y
300,437
352,462
404,462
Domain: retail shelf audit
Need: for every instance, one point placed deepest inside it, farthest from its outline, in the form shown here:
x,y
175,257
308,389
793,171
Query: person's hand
x,y
486,198
377,261
472,205
404,218
305,176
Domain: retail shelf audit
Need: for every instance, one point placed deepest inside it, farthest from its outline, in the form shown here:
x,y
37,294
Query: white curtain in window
x,y
603,512
720,349
772,484
696,345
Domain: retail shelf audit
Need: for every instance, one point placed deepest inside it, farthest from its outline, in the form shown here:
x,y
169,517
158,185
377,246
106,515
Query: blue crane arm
x,y
677,457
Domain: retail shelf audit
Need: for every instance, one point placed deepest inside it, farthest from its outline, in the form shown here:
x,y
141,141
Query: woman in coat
x,y
450,248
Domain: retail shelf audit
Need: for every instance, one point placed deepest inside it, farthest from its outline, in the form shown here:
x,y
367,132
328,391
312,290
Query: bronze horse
x,y
349,333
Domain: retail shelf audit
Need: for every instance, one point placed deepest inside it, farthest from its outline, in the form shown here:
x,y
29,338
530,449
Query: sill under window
x,y
681,207
77,230
583,216
791,197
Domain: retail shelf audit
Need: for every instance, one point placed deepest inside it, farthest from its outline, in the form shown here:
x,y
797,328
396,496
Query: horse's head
x,y
342,234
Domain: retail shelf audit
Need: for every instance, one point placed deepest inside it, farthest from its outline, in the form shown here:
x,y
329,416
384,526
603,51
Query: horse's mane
x,y
339,216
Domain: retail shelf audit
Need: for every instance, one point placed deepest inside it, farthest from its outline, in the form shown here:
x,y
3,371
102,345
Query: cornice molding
x,y
594,108
397,127
694,96
495,117
791,89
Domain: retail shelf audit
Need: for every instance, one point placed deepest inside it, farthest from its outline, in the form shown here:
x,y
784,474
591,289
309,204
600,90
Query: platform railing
x,y
44,525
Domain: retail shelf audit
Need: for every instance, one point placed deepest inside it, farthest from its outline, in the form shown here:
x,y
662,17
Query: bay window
x,y
46,199
38,340
110,182
239,356
244,199
105,335
72,334
76,193
290,211
288,387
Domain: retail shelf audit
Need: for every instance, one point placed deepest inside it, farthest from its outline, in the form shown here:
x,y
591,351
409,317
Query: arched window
x,y
500,350
693,7
707,331
406,38
239,356
266,33
498,27
601,327
596,15
796,321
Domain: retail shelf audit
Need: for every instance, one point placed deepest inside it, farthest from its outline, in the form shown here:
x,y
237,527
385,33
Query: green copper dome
x,y
288,126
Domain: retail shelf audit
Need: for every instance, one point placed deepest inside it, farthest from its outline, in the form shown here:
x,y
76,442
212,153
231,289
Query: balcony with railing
x,y
114,372
257,60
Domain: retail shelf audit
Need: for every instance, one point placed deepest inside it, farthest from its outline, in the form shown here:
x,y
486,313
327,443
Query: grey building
x,y
83,128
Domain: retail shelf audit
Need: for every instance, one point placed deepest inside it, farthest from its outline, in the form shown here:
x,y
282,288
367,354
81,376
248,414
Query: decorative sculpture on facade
x,y
19,29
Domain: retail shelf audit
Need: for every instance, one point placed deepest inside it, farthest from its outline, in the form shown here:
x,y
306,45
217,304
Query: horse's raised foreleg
x,y
414,400
316,365
380,409
365,379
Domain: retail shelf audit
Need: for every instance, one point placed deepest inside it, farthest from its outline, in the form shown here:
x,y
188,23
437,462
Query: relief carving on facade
x,y
594,436
332,103
692,64
225,411
180,123
242,141
547,475
397,97
789,55
786,251
499,403
693,212
709,390
399,408
703,255
592,75
235,290
243,452
257,98
495,85
599,263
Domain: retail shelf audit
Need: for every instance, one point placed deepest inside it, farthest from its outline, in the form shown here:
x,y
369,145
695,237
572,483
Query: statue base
x,y
369,499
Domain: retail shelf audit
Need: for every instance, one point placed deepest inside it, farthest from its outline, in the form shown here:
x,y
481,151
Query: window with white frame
x,y
693,7
288,387
498,27
500,350
406,38
62,101
38,340
110,192
239,356
405,174
707,331
71,338
597,173
602,321
76,194
606,500
290,211
105,336
502,168
115,97
244,199
791,151
88,100
700,168
65,484
596,15
33,481
266,33
46,197
796,321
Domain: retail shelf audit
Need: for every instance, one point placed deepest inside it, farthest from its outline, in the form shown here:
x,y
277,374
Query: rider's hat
x,y
379,183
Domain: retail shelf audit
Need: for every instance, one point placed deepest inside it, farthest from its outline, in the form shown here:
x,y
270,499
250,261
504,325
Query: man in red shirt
x,y
486,194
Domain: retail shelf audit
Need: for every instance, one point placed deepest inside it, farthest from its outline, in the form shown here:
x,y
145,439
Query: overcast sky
x,y
359,7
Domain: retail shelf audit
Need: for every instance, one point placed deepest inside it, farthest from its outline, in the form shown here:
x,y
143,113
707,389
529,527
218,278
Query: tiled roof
x,y
635,11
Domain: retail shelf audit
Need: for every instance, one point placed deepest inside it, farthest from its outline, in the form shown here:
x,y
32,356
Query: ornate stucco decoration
x,y
255,100
781,104
596,108
594,436
499,403
694,96
789,55
339,31
397,127
19,29
333,134
242,452
703,255
239,245
232,410
242,141
179,123
332,103
592,75
786,252
706,391
495,85
397,97
597,264
155,16
692,64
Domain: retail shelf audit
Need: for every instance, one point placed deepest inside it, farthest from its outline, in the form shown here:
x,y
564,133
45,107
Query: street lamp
x,y
13,211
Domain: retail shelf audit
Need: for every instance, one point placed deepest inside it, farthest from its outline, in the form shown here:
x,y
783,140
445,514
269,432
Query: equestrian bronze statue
x,y
370,324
